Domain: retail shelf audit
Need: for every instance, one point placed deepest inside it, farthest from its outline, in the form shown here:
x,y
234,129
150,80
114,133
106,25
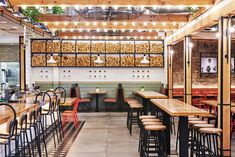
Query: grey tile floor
x,y
106,135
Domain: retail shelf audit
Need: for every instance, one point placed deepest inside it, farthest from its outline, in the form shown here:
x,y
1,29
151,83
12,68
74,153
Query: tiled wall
x,y
9,53
198,80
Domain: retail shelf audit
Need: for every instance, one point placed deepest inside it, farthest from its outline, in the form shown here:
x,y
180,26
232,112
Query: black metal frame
x,y
46,53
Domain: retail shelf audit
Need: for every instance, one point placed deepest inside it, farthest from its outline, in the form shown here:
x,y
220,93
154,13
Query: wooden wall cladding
x,y
82,53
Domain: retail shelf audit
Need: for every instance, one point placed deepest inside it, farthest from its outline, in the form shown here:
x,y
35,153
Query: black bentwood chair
x,y
9,134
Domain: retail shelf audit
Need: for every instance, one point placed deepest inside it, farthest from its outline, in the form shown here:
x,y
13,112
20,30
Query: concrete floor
x,y
106,135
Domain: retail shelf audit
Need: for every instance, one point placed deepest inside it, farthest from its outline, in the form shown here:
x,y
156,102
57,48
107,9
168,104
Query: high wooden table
x,y
6,112
146,96
97,94
176,108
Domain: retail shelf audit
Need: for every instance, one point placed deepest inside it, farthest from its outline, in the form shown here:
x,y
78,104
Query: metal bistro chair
x,y
58,124
40,129
10,133
49,112
67,115
62,95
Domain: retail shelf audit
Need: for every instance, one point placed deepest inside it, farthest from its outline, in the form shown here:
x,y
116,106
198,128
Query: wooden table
x,y
97,94
176,108
146,96
214,103
69,102
6,112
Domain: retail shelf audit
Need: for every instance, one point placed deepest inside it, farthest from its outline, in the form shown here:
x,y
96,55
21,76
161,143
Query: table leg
x,y
145,104
183,136
167,123
97,103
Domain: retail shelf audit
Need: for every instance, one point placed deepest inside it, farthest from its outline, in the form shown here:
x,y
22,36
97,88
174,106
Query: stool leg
x,y
53,130
28,144
31,141
131,119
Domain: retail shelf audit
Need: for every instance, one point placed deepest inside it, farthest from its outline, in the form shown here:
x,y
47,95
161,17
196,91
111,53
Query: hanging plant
x,y
32,13
192,10
57,10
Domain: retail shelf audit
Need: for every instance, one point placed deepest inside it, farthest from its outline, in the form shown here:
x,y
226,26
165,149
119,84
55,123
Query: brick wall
x,y
200,47
9,53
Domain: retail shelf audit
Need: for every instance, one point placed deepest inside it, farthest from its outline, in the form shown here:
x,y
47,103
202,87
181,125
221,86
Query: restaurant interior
x,y
111,78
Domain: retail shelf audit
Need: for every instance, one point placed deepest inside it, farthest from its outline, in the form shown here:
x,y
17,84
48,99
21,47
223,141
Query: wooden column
x,y
22,63
224,83
187,69
170,71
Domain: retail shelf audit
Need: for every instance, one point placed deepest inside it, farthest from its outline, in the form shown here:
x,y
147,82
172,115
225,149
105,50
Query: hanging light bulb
x,y
51,60
145,60
98,60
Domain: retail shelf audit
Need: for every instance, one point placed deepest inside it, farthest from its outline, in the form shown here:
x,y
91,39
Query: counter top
x,y
176,107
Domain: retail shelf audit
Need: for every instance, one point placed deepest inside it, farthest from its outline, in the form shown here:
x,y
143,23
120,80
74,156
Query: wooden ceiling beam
x,y
93,33
113,2
209,18
131,18
113,25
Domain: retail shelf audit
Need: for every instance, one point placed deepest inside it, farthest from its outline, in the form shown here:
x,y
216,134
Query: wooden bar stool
x,y
135,110
210,142
196,147
154,141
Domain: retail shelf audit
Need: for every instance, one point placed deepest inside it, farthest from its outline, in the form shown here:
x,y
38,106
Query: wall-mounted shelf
x,y
82,53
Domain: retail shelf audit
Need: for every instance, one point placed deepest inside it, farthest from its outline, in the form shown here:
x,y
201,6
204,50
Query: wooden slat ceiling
x,y
113,2
79,24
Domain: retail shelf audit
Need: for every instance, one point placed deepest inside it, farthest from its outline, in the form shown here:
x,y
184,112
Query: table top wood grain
x,y
69,102
7,113
151,95
176,107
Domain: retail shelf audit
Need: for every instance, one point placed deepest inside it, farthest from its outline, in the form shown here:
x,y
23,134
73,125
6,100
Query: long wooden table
x,y
176,108
6,112
146,96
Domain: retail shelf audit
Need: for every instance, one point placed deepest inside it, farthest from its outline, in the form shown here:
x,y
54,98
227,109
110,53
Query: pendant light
x,y
144,60
51,60
98,60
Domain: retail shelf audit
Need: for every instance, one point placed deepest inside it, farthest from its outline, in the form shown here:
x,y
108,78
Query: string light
x,y
66,37
63,7
97,30
75,23
71,30
74,37
123,30
65,23
94,23
115,23
63,30
124,23
154,23
133,23
104,23
56,23
164,23
87,23
145,23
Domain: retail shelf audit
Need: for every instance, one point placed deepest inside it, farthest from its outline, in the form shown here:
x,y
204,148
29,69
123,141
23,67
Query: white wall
x,y
97,74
